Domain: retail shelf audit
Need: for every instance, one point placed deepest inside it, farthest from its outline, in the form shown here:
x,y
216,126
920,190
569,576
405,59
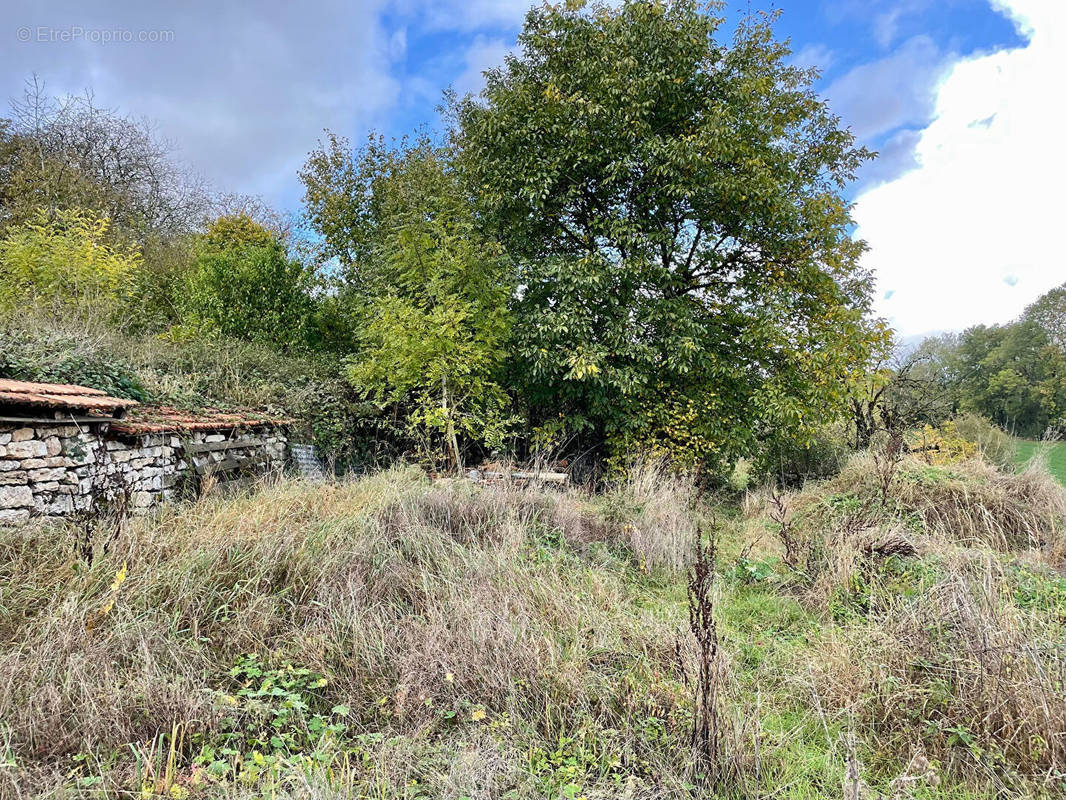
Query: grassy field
x,y
1056,456
396,638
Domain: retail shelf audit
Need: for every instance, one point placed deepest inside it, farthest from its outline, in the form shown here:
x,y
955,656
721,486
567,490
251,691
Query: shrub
x,y
996,446
791,462
941,445
68,259
256,294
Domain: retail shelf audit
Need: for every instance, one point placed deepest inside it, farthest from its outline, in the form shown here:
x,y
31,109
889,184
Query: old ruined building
x,y
67,450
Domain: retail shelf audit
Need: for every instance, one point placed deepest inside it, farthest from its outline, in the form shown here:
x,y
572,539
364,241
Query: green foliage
x,y
53,357
65,259
342,201
244,285
671,201
1014,375
435,321
278,709
238,232
1049,313
793,461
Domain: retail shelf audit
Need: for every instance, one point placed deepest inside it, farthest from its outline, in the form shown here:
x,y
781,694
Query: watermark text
x,y
78,33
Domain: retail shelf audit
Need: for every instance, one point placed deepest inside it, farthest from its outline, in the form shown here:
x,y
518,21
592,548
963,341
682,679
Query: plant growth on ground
x,y
396,637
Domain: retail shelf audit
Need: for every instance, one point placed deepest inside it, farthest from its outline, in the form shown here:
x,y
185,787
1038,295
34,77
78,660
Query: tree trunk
x,y
453,440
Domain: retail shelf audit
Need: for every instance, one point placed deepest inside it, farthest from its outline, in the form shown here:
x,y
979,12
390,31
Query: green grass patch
x,y
1056,456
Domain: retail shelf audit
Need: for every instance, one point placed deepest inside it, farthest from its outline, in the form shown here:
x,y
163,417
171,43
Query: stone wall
x,y
61,469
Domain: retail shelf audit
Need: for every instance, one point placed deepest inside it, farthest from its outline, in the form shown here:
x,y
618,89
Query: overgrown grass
x,y
392,637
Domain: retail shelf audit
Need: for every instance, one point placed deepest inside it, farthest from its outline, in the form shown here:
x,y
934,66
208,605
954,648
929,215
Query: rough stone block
x,y
16,497
13,478
143,499
27,448
9,516
215,437
34,463
46,474
21,434
47,486
5,437
55,447
61,505
9,466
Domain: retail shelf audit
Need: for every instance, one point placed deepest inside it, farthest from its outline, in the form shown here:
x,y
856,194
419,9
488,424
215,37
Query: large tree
x,y
687,275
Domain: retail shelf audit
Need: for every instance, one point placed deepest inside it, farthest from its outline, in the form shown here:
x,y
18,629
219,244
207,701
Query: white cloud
x,y
973,234
483,54
244,97
880,96
885,27
814,55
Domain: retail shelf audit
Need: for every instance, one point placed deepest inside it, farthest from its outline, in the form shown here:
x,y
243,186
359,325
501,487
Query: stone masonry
x,y
63,468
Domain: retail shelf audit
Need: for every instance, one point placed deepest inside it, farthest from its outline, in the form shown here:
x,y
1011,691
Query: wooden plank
x,y
56,420
230,464
214,447
549,477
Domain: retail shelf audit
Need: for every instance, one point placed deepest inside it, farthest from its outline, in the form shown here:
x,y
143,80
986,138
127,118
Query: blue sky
x,y
244,92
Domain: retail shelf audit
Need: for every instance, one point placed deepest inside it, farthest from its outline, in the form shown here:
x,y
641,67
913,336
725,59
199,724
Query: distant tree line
x,y
1014,374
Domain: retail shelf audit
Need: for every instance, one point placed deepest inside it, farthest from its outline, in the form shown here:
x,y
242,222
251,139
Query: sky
x,y
959,97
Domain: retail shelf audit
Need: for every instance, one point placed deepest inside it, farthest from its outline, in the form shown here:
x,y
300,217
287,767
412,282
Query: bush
x,y
996,446
256,294
66,260
789,462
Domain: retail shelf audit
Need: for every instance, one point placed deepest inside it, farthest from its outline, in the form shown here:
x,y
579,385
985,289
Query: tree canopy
x,y
673,207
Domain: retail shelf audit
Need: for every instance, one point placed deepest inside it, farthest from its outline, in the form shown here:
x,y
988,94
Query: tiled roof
x,y
162,419
60,396
140,419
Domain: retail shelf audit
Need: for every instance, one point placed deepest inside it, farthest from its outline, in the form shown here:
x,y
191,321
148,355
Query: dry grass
x,y
969,503
652,512
419,602
505,642
933,643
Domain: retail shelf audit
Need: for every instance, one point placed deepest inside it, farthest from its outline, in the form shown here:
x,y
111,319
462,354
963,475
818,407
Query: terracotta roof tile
x,y
141,419
162,419
59,396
